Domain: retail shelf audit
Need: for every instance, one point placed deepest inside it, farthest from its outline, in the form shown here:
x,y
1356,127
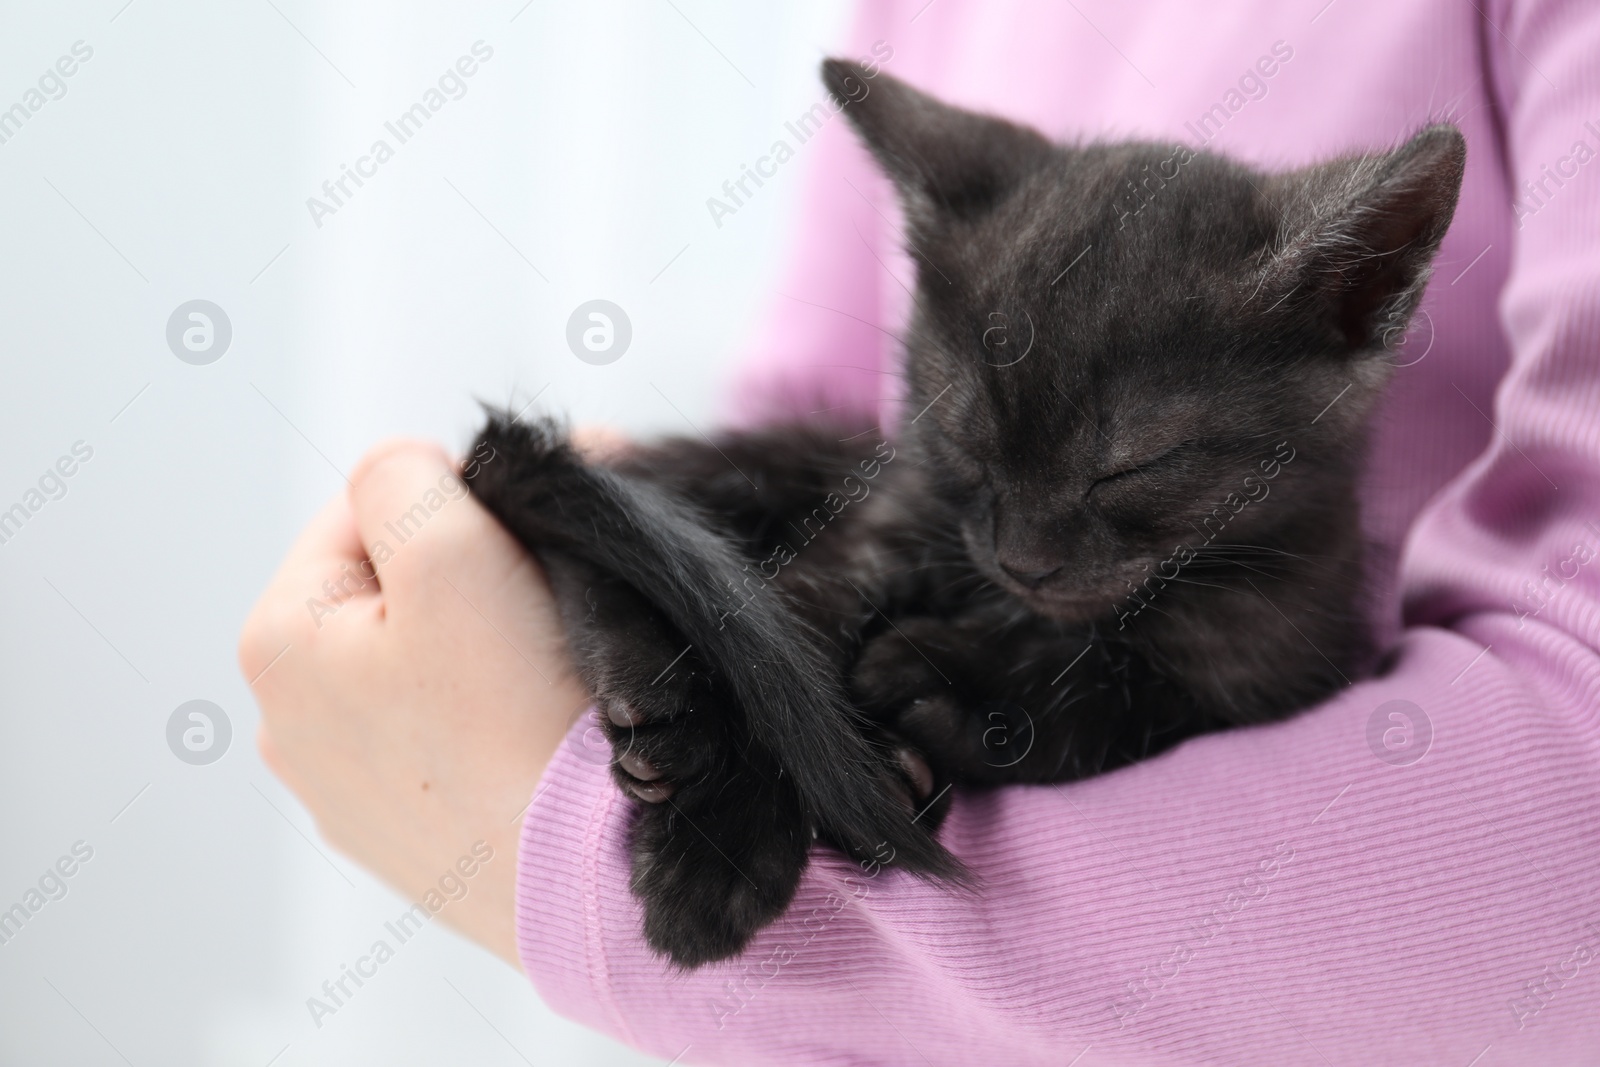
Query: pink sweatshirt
x,y
1409,873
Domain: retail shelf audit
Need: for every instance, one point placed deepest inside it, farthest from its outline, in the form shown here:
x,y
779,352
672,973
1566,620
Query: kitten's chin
x,y
1066,606
1071,604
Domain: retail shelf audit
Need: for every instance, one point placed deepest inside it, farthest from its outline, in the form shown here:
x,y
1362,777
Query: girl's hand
x,y
414,682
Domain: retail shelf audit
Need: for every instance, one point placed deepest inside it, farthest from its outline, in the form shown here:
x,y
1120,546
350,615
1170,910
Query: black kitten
x,y
1123,510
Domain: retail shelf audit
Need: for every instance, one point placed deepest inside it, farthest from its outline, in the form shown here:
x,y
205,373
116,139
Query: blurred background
x,y
206,352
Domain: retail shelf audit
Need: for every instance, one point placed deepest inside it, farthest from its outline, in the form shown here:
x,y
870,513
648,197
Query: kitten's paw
x,y
913,769
718,861
900,665
920,722
922,788
660,706
719,839
666,735
910,776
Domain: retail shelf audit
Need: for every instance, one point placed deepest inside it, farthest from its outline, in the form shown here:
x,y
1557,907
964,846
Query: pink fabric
x,y
1279,895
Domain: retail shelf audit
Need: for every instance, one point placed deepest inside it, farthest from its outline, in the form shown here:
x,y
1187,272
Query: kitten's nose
x,y
1021,571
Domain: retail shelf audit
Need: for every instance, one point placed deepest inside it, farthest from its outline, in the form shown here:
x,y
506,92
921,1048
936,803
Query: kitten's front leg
x,y
990,701
902,680
720,840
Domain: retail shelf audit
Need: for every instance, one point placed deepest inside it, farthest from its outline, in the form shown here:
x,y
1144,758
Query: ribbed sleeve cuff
x,y
573,828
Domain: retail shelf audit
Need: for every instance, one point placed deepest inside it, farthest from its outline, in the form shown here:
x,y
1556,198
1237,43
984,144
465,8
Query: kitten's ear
x,y
942,158
1361,233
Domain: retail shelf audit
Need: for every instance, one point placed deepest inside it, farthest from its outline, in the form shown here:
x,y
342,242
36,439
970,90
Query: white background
x,y
177,166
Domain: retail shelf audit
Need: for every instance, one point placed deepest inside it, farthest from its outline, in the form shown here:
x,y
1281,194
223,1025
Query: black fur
x,y
1122,510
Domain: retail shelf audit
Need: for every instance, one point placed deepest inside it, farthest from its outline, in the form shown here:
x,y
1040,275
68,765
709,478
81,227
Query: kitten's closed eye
x,y
1148,465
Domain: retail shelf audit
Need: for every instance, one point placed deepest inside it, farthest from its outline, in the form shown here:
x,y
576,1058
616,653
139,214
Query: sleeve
x,y
1409,874
827,341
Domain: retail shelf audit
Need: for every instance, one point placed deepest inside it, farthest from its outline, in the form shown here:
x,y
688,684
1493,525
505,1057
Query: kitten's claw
x,y
638,766
622,714
912,775
651,792
915,769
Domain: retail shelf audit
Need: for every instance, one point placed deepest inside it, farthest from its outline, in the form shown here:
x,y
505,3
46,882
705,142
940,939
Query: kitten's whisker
x,y
1229,552
887,371
1203,585
836,311
1245,566
873,253
1297,630
898,232
1149,605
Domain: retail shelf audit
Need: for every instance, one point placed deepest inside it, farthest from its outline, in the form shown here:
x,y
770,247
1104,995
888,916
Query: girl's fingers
x,y
323,570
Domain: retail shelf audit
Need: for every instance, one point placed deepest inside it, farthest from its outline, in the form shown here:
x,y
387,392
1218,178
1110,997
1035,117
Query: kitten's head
x,y
1112,341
